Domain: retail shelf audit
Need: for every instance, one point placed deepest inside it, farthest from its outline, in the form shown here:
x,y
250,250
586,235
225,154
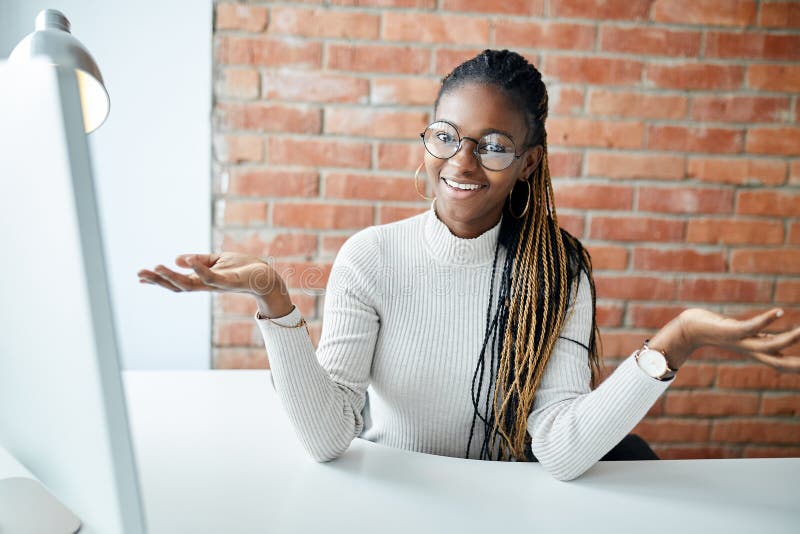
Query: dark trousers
x,y
632,447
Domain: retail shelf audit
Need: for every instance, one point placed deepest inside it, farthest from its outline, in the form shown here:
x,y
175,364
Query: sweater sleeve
x,y
571,426
324,391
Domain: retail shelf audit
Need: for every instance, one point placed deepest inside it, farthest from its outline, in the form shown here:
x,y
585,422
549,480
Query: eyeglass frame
x,y
475,150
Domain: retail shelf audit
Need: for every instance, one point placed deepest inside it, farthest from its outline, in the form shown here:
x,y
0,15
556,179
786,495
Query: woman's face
x,y
477,109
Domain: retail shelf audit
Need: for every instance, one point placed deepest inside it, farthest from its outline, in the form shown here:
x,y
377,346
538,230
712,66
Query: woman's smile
x,y
462,188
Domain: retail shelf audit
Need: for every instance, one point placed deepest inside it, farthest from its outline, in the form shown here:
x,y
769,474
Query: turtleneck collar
x,y
447,247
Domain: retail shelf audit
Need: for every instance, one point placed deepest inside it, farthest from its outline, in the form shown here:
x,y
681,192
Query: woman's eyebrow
x,y
483,132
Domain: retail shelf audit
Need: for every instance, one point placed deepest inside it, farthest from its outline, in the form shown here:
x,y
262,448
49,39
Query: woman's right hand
x,y
226,271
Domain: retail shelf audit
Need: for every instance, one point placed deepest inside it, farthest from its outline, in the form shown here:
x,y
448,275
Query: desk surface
x,y
216,453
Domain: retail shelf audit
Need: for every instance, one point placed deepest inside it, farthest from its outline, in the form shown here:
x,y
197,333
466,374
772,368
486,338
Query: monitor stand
x,y
27,506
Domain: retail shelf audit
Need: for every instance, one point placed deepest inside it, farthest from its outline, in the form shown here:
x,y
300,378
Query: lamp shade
x,y
52,39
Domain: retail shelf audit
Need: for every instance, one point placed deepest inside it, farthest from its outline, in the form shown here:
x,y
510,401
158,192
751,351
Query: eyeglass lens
x,y
495,151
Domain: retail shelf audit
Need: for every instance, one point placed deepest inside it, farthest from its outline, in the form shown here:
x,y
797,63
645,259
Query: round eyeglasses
x,y
495,151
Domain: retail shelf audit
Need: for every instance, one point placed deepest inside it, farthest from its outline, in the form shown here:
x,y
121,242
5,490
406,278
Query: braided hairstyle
x,y
543,263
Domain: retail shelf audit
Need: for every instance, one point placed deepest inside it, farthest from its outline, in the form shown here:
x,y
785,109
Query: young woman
x,y
473,323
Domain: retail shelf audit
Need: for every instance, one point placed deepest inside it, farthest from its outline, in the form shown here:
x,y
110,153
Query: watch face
x,y
653,363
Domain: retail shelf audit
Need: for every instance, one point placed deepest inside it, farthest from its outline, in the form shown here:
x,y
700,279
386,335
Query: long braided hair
x,y
542,264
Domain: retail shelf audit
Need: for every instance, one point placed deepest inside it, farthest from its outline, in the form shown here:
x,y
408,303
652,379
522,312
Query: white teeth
x,y
457,185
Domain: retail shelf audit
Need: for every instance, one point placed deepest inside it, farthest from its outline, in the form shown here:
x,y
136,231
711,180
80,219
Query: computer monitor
x,y
62,405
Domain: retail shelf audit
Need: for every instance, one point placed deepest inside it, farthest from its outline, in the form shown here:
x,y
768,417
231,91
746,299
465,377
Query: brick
x,y
724,290
738,171
794,233
650,316
257,244
572,223
785,78
389,214
268,52
238,148
332,243
323,23
410,91
601,9
621,165
322,216
564,100
765,202
608,257
695,375
594,133
685,200
593,196
543,35
240,358
700,76
787,291
421,4
235,16
639,105
229,333
770,452
238,83
627,228
772,404
740,108
314,87
400,156
261,117
794,172
734,232
564,164
779,15
374,58
650,41
375,123
702,139
434,28
369,187
673,430
631,287
693,452
621,344
716,354
752,45
254,182
508,7
593,70
755,376
779,141
240,213
234,303
754,431
609,315
765,261
706,12
710,403
318,152
447,59
685,260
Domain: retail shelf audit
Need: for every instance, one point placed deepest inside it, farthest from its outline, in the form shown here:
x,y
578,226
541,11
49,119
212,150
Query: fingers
x,y
204,259
771,343
754,325
206,275
149,277
789,364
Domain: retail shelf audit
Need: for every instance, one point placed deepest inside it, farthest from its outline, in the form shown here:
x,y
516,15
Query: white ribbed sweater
x,y
404,320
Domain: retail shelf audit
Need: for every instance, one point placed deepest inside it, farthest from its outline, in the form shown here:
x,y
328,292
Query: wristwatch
x,y
654,363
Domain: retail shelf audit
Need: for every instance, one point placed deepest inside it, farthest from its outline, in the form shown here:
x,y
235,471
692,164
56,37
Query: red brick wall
x,y
674,148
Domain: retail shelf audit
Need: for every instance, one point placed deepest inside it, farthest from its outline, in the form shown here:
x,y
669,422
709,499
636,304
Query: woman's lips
x,y
461,193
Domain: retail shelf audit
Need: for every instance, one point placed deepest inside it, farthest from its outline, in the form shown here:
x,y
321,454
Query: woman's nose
x,y
465,157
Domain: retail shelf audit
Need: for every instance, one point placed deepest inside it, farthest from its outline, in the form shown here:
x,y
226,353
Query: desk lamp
x,y
52,39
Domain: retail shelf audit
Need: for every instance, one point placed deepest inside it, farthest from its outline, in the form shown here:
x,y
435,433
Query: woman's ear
x,y
530,160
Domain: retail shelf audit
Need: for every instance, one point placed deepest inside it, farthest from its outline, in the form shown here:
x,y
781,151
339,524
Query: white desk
x,y
218,454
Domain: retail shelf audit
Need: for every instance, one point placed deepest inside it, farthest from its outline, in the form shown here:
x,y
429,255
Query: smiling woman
x,y
476,318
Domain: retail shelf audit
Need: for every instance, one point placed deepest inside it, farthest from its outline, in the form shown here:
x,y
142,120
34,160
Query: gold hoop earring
x,y
527,201
416,185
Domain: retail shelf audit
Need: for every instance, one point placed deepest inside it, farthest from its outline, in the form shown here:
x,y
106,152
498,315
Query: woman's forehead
x,y
476,108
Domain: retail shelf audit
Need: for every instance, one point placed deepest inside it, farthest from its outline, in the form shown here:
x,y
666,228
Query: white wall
x,y
151,160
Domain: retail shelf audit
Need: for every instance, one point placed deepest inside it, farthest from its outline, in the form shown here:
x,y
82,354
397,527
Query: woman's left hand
x,y
696,327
